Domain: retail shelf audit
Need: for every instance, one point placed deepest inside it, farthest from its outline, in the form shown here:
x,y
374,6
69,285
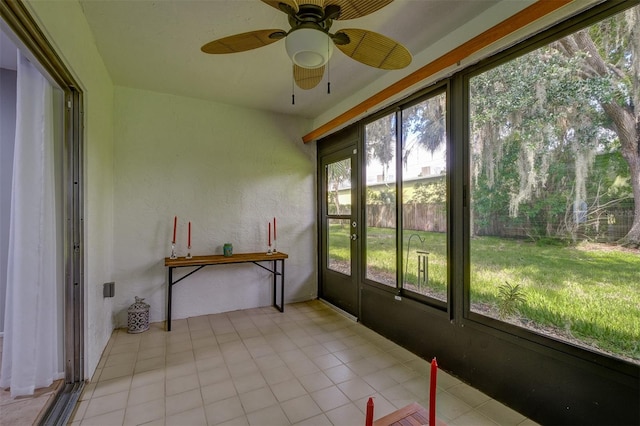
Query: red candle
x,y
175,225
269,234
189,236
369,418
432,393
274,229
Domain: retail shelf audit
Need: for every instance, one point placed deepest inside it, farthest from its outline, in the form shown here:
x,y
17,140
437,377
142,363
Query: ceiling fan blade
x,y
243,42
307,78
293,4
351,9
374,49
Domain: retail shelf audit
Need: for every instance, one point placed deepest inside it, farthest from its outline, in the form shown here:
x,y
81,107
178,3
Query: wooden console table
x,y
199,262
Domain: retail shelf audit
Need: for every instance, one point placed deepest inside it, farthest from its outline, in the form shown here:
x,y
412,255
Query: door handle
x,y
354,237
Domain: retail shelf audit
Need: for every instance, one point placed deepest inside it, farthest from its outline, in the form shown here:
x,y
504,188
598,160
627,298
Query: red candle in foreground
x,y
432,393
269,234
175,225
274,229
369,418
189,236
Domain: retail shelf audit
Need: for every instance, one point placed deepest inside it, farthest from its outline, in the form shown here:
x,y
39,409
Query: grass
x,y
586,294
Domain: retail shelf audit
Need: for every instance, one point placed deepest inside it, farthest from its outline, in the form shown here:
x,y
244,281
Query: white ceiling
x,y
155,45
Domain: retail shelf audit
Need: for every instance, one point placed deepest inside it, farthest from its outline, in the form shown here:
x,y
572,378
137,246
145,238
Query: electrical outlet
x,y
109,289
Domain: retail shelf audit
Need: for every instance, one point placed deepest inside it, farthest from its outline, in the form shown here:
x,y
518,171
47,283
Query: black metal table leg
x,y
169,299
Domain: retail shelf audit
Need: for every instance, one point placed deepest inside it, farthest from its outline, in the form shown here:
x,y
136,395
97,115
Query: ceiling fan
x,y
309,43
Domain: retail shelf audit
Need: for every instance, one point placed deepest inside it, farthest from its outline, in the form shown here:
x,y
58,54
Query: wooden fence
x,y
610,226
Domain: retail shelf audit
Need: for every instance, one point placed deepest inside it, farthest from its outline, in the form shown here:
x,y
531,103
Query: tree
x,y
557,105
611,50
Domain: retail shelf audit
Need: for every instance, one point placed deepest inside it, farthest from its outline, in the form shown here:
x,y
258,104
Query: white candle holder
x,y
269,251
173,251
275,245
188,253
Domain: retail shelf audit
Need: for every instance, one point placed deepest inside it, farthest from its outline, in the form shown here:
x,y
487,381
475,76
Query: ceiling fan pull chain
x,y
328,66
293,90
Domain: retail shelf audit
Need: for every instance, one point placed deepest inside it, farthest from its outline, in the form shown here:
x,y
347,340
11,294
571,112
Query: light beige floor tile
x,y
380,380
356,388
315,381
300,408
218,391
345,415
450,407
146,393
270,361
326,361
107,403
182,402
270,416
182,384
277,375
243,368
214,375
148,377
222,411
115,371
121,358
153,352
261,367
106,387
249,382
257,399
340,374
149,364
173,371
472,418
111,418
144,413
238,421
302,367
288,389
330,398
319,420
192,417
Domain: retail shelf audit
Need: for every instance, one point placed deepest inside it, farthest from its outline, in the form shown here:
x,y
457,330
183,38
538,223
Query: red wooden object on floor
x,y
413,414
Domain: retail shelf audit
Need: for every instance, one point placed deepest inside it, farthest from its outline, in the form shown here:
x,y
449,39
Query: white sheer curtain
x,y
30,348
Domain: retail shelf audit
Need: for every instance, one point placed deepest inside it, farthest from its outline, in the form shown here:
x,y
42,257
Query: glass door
x,y
339,225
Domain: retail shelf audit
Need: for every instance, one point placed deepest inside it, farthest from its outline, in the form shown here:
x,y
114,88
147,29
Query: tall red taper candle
x,y
175,225
274,229
189,237
269,234
432,392
368,421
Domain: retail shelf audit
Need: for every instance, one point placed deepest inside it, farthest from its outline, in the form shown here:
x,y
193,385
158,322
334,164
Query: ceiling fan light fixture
x,y
308,47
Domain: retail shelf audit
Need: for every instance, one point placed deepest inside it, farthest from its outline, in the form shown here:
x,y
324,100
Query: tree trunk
x,y
626,118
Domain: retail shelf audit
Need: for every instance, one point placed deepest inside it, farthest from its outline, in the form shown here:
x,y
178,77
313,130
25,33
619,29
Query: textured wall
x,y
229,171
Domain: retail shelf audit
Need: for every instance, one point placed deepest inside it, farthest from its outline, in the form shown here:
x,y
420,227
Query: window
x,y
381,199
424,198
554,167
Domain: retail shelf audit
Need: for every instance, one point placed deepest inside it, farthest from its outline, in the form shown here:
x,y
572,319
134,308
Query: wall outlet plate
x,y
109,289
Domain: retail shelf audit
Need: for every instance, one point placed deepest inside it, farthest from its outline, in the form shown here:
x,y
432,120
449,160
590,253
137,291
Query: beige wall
x,y
229,171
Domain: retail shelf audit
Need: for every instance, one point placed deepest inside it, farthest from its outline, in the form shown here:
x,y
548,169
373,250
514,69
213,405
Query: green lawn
x,y
589,294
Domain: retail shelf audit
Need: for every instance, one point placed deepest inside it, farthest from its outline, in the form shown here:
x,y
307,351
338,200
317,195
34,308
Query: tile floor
x,y
307,366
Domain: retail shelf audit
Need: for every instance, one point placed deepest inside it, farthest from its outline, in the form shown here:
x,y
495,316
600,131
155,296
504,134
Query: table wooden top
x,y
413,414
218,259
